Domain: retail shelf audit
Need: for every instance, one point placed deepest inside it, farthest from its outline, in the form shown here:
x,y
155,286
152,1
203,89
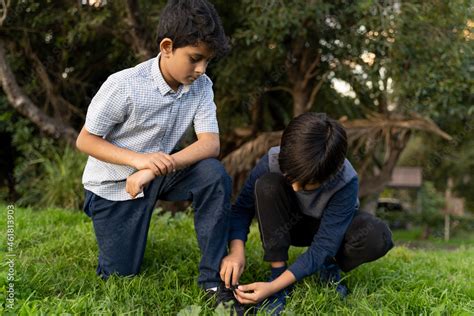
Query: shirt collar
x,y
160,81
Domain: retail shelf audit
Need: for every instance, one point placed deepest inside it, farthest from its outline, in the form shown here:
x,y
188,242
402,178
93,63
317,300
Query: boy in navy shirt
x,y
132,127
304,193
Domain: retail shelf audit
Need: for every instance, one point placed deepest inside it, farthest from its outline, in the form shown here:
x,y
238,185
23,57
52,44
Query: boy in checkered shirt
x,y
132,127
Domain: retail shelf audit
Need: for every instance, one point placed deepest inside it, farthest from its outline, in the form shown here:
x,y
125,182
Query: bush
x,y
431,218
432,204
47,173
54,181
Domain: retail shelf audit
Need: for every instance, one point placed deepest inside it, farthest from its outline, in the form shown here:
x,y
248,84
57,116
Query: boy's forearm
x,y
101,149
237,245
207,146
284,280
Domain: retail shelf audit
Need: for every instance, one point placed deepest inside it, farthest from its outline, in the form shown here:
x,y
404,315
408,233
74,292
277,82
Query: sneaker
x,y
342,290
331,275
226,297
275,304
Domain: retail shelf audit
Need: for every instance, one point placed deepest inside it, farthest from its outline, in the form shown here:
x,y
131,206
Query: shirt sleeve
x,y
336,219
243,210
109,107
205,119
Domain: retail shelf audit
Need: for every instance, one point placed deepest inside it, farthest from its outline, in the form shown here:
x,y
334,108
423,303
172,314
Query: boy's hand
x,y
254,293
137,181
160,163
232,266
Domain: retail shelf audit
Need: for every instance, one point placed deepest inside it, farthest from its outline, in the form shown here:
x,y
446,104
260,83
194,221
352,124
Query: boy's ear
x,y
166,47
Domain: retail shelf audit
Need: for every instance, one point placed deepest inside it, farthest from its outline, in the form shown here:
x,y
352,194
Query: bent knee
x,y
212,171
371,234
270,184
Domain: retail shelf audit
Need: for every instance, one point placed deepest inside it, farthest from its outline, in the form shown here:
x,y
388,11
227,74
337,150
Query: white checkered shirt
x,y
136,109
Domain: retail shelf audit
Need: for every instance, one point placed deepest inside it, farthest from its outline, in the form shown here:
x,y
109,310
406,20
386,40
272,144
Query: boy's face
x,y
308,187
185,64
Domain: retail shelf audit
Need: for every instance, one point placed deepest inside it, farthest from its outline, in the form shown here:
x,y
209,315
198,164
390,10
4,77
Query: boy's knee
x,y
385,235
211,171
372,233
270,184
367,239
379,238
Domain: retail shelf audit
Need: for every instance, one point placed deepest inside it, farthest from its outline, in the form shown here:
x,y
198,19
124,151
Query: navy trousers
x,y
121,227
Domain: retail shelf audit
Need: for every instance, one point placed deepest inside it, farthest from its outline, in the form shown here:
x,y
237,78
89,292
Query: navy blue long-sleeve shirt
x,y
335,220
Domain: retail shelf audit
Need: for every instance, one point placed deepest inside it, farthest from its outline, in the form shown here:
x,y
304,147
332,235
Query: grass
x,y
56,259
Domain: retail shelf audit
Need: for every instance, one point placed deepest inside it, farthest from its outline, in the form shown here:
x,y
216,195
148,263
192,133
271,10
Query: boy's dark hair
x,y
313,148
188,22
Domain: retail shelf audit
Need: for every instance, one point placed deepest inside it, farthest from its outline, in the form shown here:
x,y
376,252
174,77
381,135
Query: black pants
x,y
282,224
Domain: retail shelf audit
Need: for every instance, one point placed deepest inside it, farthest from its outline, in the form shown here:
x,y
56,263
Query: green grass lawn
x,y
56,259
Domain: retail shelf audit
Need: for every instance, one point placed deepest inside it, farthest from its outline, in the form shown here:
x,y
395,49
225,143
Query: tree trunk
x,y
256,112
7,165
369,203
140,40
300,100
447,209
240,161
305,75
426,232
375,183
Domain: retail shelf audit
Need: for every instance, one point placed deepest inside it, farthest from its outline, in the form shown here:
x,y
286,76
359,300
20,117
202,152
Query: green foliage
x,y
47,174
443,159
432,58
263,48
58,180
57,255
79,46
461,227
432,202
421,58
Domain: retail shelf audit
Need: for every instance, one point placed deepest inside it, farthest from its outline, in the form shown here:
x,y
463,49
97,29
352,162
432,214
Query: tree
x,y
288,57
296,50
70,49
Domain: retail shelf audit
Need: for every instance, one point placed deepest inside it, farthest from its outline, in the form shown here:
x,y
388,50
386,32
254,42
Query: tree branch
x,y
279,88
374,184
23,104
315,91
140,41
4,10
57,101
239,162
311,72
